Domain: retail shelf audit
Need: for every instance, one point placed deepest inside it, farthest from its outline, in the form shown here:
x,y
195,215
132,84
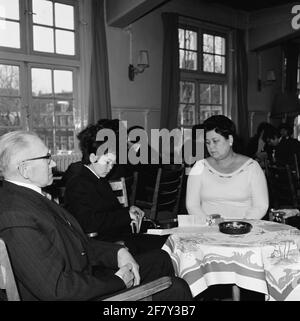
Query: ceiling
x,y
248,5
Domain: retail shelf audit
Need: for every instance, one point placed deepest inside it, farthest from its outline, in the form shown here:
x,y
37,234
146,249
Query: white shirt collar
x,y
31,186
92,171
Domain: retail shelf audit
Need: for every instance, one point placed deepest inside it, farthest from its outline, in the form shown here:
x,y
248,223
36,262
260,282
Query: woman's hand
x,y
136,214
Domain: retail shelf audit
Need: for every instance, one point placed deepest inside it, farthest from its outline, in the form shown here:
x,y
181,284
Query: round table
x,y
265,260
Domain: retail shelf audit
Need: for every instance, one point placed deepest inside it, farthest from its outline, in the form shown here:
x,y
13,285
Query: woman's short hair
x,y
88,143
221,124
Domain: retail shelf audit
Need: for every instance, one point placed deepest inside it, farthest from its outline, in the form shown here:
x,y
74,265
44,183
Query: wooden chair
x,y
143,292
166,194
7,279
125,189
119,187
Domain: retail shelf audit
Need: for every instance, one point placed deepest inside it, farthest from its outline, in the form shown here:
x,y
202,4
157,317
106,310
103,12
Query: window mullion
x,y
25,89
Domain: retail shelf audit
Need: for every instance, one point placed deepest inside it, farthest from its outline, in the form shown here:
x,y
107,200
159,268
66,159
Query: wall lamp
x,y
270,79
142,64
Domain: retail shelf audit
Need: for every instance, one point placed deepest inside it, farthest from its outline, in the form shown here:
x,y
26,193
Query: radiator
x,y
63,161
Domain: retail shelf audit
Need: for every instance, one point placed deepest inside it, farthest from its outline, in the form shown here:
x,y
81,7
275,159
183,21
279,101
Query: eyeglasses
x,y
48,157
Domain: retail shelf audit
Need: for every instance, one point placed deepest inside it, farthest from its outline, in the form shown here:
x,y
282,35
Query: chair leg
x,y
236,293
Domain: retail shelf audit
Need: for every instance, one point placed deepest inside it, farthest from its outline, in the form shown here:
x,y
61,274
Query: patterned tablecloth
x,y
266,260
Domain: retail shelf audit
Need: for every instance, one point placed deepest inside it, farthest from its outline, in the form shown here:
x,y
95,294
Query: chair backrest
x,y
7,279
119,187
131,186
167,191
282,187
143,292
125,189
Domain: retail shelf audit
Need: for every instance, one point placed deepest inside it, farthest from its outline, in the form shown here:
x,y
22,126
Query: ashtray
x,y
235,227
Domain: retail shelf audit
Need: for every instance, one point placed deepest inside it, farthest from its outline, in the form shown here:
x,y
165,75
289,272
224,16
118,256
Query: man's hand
x,y
126,274
126,259
136,214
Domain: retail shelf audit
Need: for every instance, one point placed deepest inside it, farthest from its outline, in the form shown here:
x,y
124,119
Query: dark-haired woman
x,y
90,199
226,182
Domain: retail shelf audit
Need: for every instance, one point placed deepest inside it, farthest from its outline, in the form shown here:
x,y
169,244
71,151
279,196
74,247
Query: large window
x,y
203,83
39,68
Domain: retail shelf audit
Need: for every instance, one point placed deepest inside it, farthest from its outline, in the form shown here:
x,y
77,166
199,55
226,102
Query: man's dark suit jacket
x,y
51,257
285,151
95,206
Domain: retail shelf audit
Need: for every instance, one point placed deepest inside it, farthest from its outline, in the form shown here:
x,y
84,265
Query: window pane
x,y
43,12
10,112
9,80
43,39
65,42
220,64
64,140
47,136
187,92
216,110
208,63
216,94
190,40
9,9
219,46
181,38
205,112
43,113
186,114
188,60
64,16
9,34
208,43
64,107
204,94
63,82
41,82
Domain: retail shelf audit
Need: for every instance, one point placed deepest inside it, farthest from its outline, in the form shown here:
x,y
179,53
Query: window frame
x,y
26,58
199,76
76,56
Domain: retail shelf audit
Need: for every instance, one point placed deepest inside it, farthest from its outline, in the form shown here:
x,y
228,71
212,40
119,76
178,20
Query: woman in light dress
x,y
226,183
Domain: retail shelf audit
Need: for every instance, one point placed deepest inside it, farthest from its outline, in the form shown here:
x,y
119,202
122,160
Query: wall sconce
x,y
270,80
142,64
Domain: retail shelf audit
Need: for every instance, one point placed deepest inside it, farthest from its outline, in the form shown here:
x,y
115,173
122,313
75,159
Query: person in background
x,y
257,146
51,256
287,146
225,183
147,171
89,197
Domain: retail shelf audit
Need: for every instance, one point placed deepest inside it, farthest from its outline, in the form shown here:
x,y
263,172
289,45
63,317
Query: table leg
x,y
236,293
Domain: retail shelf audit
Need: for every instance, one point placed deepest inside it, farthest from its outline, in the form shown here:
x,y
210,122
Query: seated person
x,y
147,170
258,147
286,146
117,172
51,256
225,183
91,200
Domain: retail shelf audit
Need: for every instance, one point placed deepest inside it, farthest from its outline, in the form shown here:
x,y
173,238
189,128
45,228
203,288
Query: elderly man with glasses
x,y
51,256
